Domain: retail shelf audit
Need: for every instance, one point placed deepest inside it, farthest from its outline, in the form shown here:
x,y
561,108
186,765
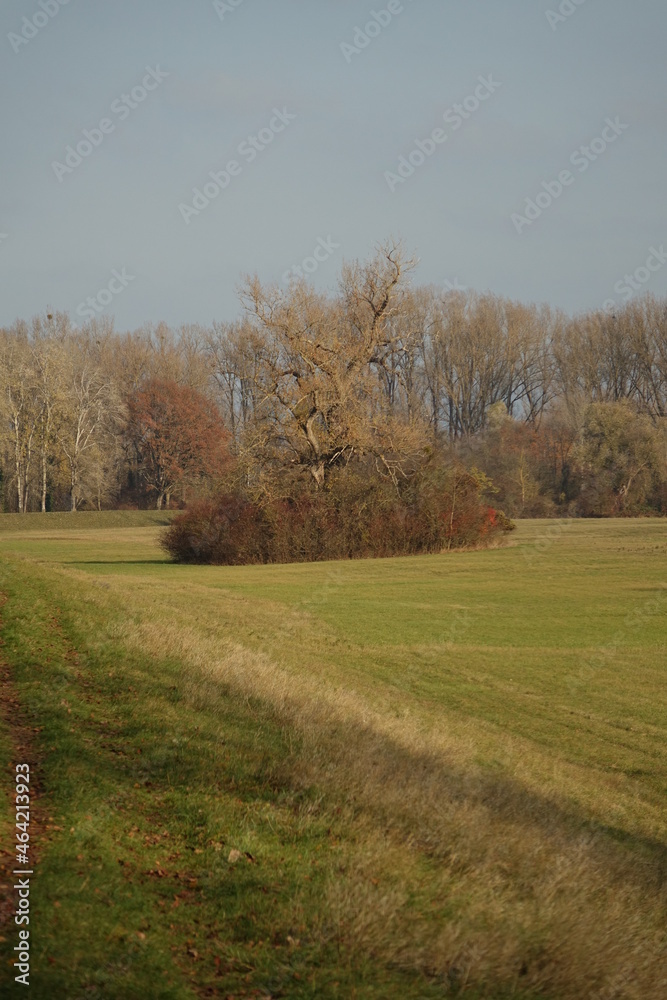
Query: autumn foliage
x,y
353,517
178,435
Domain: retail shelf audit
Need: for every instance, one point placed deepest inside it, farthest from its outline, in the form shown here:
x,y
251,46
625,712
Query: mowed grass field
x,y
409,778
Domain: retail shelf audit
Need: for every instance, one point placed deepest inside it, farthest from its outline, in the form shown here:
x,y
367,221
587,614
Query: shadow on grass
x,y
411,792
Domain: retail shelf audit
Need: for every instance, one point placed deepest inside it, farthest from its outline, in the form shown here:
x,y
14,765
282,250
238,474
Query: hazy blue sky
x,y
554,83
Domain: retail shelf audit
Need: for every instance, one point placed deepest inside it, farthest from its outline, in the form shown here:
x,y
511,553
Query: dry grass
x,y
522,894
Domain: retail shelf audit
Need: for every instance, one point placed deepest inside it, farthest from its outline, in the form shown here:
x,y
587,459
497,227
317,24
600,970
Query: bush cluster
x,y
351,517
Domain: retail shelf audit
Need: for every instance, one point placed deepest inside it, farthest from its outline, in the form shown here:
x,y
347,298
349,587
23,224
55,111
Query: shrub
x,y
353,516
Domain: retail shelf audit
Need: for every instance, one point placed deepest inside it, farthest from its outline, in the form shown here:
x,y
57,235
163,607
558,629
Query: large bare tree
x,y
318,377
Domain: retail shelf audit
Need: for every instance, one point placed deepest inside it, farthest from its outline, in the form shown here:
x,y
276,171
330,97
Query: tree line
x,y
559,415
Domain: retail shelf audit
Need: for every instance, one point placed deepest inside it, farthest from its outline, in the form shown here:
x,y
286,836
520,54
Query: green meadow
x,y
409,778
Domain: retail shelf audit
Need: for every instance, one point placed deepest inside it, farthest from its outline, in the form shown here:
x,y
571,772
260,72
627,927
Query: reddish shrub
x,y
352,517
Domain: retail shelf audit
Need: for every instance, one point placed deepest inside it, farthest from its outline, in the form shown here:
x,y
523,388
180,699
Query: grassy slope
x,y
449,771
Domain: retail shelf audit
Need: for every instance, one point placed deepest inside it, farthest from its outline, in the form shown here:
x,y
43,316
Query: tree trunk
x,y
19,472
44,481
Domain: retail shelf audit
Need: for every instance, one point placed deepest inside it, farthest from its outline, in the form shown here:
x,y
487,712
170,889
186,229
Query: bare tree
x,y
20,405
318,385
90,403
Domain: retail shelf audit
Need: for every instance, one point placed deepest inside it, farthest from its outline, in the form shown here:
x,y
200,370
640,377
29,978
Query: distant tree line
x,y
374,384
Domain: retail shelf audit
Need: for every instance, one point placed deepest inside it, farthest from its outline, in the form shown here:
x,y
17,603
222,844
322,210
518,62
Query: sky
x,y
156,151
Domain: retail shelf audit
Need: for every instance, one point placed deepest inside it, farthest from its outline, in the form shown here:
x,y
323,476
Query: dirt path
x,y
22,751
